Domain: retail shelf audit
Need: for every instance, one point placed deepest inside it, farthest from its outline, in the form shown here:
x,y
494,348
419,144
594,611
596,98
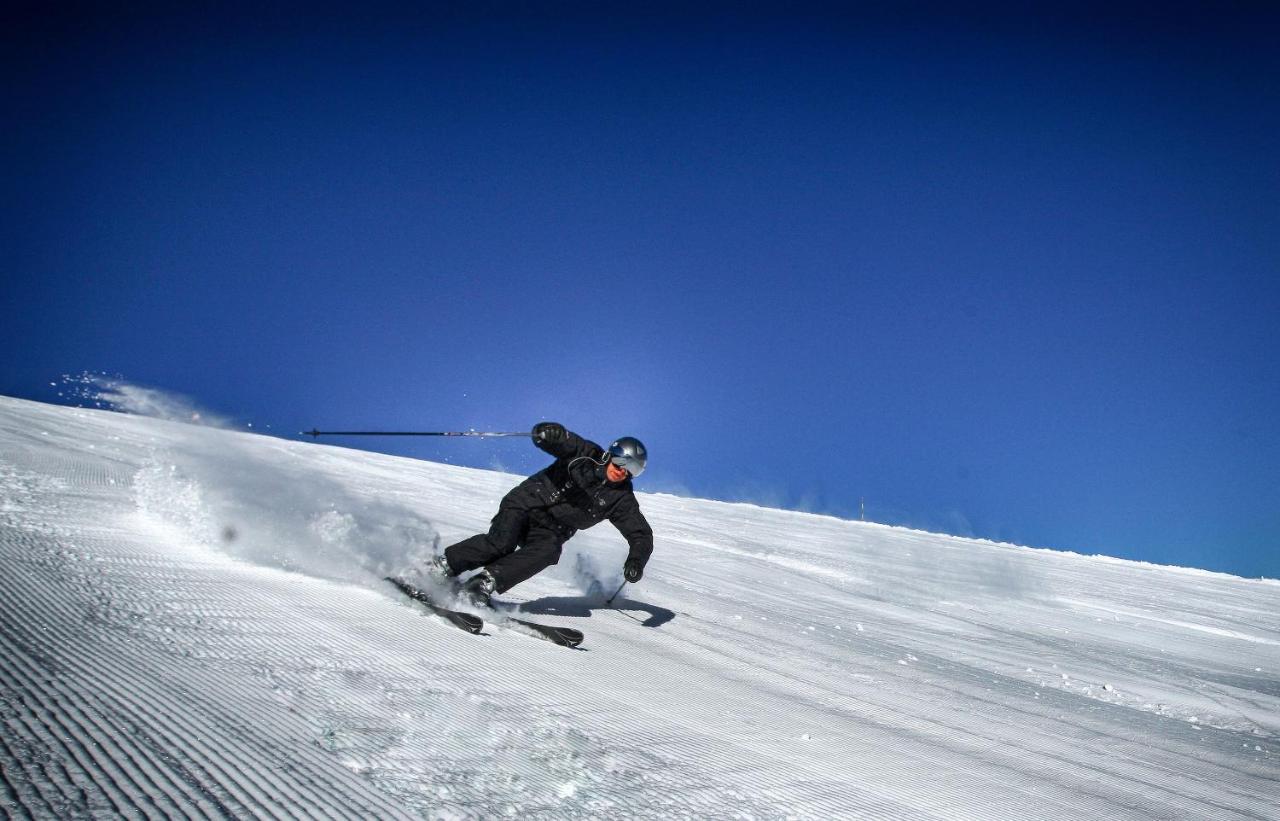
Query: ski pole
x,y
609,603
314,433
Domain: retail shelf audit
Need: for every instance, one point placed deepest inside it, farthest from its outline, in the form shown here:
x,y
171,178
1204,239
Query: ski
x,y
563,636
464,621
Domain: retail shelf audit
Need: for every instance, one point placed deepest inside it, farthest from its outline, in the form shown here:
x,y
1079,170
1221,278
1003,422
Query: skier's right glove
x,y
548,433
633,570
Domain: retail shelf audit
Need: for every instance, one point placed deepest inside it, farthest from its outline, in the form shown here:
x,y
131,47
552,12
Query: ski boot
x,y
439,572
479,588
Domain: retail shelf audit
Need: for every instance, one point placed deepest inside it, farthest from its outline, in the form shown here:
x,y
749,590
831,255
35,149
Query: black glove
x,y
548,433
633,570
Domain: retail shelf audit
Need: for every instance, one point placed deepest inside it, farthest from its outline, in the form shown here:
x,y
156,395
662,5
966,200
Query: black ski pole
x,y
609,603
315,433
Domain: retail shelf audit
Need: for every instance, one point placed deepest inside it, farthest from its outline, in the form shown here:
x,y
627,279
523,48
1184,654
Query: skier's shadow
x,y
583,606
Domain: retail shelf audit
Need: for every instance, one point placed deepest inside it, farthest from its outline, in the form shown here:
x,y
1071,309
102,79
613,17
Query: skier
x,y
584,486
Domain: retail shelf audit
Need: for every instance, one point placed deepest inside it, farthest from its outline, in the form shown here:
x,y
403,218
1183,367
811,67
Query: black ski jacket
x,y
575,492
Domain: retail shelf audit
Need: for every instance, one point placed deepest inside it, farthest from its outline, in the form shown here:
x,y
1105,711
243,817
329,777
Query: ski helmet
x,y
629,454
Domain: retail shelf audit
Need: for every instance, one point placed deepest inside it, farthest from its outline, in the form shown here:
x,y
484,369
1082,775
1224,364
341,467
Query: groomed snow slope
x,y
191,624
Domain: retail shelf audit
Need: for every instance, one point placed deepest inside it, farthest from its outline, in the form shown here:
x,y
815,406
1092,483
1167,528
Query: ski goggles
x,y
625,460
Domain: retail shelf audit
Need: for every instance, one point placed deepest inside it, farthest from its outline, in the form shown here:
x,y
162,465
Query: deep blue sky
x,y
1003,275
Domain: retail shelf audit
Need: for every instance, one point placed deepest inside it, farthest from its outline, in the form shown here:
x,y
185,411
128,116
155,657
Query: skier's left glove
x,y
548,433
633,570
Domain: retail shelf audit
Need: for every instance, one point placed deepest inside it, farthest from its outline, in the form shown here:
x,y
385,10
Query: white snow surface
x,y
193,624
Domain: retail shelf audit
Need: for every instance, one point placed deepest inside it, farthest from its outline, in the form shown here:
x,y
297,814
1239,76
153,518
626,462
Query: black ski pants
x,y
523,540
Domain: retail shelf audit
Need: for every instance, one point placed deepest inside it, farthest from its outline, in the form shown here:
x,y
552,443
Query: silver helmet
x,y
629,454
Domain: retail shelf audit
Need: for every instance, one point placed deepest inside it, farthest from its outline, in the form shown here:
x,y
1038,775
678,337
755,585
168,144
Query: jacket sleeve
x,y
633,526
572,446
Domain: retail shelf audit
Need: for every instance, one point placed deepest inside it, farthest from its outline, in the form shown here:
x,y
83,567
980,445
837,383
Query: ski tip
x,y
563,636
399,583
468,622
